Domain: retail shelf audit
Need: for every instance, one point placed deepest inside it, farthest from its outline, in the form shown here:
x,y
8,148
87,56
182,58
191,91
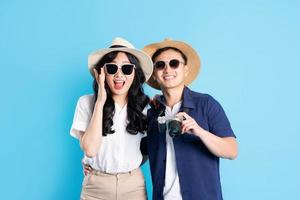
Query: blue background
x,y
250,63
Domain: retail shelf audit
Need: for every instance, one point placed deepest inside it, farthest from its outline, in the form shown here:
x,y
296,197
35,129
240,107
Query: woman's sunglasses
x,y
112,68
174,63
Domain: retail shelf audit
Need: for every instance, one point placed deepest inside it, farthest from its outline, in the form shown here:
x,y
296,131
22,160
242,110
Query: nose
x,y
167,68
119,73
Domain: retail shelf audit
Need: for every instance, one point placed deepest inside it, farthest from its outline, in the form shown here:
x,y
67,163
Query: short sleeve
x,y
217,119
82,115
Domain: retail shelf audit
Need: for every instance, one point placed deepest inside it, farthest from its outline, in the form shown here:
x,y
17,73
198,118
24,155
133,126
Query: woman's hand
x,y
100,78
86,169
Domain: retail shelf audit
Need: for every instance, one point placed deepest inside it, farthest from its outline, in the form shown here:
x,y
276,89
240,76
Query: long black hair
x,y
137,99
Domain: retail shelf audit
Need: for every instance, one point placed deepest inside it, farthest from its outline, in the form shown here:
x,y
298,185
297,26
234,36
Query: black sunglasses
x,y
112,68
174,64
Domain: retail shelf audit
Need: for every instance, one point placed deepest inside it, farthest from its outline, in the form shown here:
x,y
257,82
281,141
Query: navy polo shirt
x,y
198,168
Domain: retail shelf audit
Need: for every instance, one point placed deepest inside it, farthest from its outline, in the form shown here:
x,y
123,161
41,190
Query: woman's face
x,y
119,83
169,77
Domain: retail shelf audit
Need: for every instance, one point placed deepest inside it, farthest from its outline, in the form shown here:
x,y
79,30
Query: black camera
x,y
170,124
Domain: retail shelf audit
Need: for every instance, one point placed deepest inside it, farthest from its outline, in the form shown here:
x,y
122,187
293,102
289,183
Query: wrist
x,y
200,132
99,105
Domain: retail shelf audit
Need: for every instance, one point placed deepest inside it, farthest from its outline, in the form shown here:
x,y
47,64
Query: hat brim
x,y
145,61
193,59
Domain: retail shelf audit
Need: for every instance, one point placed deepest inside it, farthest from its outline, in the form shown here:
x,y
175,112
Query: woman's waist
x,y
119,174
113,166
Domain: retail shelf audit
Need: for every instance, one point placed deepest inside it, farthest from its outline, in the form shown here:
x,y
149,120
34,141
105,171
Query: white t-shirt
x,y
172,187
119,152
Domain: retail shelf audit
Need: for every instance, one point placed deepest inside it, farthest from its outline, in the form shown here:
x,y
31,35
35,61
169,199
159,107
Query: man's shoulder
x,y
205,100
195,94
199,97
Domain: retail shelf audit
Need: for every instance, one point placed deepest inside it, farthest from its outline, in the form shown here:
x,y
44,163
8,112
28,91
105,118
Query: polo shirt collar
x,y
188,101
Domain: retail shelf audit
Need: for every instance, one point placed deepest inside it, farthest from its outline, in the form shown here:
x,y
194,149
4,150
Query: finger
x,y
102,76
188,126
186,116
180,114
95,72
187,129
183,115
87,169
96,75
187,121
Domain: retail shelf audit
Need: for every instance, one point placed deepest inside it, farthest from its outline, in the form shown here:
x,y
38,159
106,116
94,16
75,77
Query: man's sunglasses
x,y
174,64
112,68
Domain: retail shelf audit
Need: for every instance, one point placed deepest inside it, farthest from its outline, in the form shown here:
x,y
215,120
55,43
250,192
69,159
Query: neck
x,y
121,100
173,96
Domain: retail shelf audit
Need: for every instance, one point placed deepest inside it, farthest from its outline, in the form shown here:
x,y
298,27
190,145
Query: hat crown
x,y
122,42
167,39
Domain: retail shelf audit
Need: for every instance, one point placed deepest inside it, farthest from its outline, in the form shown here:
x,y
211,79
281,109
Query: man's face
x,y
170,76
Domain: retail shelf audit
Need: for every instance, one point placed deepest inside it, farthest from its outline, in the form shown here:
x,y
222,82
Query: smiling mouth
x,y
118,84
169,77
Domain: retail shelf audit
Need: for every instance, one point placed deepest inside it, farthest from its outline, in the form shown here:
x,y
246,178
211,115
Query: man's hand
x,y
189,124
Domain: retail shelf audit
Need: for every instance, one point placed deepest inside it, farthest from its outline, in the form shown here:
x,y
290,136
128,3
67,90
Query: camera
x,y
170,124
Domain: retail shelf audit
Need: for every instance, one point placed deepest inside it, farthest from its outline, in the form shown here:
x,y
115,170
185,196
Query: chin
x,y
171,86
120,92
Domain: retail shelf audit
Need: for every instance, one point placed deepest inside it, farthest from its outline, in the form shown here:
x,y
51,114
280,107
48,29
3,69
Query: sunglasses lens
x,y
159,65
111,68
127,69
174,63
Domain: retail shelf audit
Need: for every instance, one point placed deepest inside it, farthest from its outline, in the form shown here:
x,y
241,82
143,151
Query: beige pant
x,y
124,186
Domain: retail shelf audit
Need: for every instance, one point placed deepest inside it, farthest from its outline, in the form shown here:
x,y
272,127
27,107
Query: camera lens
x,y
174,128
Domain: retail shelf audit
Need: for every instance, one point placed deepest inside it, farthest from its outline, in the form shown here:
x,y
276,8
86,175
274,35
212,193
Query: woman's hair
x,y
159,51
137,100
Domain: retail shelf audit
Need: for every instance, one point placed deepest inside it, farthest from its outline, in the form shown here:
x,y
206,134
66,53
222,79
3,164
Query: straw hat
x,y
144,59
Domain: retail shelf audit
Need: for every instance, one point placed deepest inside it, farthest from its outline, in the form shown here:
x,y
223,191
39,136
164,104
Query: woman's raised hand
x,y
100,78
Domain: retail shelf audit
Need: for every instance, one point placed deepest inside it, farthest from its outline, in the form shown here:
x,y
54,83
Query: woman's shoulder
x,y
86,101
86,98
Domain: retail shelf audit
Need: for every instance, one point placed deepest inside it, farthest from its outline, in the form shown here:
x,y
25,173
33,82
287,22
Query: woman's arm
x,y
90,141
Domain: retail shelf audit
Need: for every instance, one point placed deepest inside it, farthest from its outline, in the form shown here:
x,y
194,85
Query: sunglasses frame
x,y
168,63
119,67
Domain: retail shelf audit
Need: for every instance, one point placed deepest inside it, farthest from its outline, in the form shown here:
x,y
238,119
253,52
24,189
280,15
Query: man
x,y
185,166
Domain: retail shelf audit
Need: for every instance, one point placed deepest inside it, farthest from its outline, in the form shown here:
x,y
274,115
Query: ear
x,y
153,76
186,70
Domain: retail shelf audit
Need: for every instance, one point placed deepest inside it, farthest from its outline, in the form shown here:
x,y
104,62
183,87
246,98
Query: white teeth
x,y
168,77
119,81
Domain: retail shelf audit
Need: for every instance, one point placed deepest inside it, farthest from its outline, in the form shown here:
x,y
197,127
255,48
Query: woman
x,y
110,124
